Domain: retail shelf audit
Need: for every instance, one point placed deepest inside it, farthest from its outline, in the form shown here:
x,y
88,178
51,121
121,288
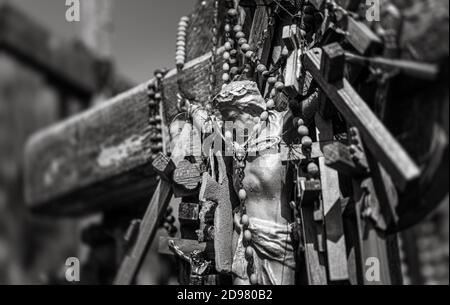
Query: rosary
x,y
241,61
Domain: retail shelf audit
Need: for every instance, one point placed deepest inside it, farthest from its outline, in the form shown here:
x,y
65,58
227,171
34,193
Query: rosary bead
x,y
180,53
254,279
225,77
242,41
249,54
307,142
240,35
226,55
237,28
303,131
245,221
226,67
245,47
299,122
228,46
248,236
232,12
261,68
285,53
270,104
313,169
183,24
181,43
185,19
264,116
279,86
233,52
243,195
271,81
249,252
234,70
227,28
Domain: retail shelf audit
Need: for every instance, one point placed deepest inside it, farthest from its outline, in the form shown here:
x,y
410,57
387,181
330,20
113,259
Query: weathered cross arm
x,y
67,63
103,157
378,139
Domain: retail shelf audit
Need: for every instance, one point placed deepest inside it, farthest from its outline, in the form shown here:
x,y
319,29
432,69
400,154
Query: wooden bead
x,y
264,116
285,53
270,104
233,52
185,19
303,131
227,28
313,169
299,122
226,67
226,55
307,142
232,12
237,28
247,236
254,279
242,41
249,54
225,77
233,61
183,24
245,221
261,68
249,252
242,195
240,35
228,46
245,47
279,86
272,81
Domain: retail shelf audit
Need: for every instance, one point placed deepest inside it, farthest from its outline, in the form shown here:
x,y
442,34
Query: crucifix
x,y
103,158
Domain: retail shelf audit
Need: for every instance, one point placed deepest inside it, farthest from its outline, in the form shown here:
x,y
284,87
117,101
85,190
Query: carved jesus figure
x,y
267,203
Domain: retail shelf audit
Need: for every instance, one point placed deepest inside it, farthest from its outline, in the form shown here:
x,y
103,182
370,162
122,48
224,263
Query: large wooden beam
x,y
69,64
103,157
379,140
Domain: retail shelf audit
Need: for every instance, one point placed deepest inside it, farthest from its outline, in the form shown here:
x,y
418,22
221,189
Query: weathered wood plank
x,y
69,63
331,197
379,140
149,226
76,166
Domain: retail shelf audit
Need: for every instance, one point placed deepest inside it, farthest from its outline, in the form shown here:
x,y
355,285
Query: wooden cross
x,y
102,159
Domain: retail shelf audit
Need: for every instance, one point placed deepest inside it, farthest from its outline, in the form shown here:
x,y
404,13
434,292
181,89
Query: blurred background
x,y
130,39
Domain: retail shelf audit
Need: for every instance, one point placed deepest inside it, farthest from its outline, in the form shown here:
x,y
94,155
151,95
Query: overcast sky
x,y
145,30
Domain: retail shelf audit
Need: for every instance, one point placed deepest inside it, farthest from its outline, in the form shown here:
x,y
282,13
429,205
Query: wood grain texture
x,y
84,164
379,140
331,198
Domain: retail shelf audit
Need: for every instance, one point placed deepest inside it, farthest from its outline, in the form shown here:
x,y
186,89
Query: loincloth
x,y
273,244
